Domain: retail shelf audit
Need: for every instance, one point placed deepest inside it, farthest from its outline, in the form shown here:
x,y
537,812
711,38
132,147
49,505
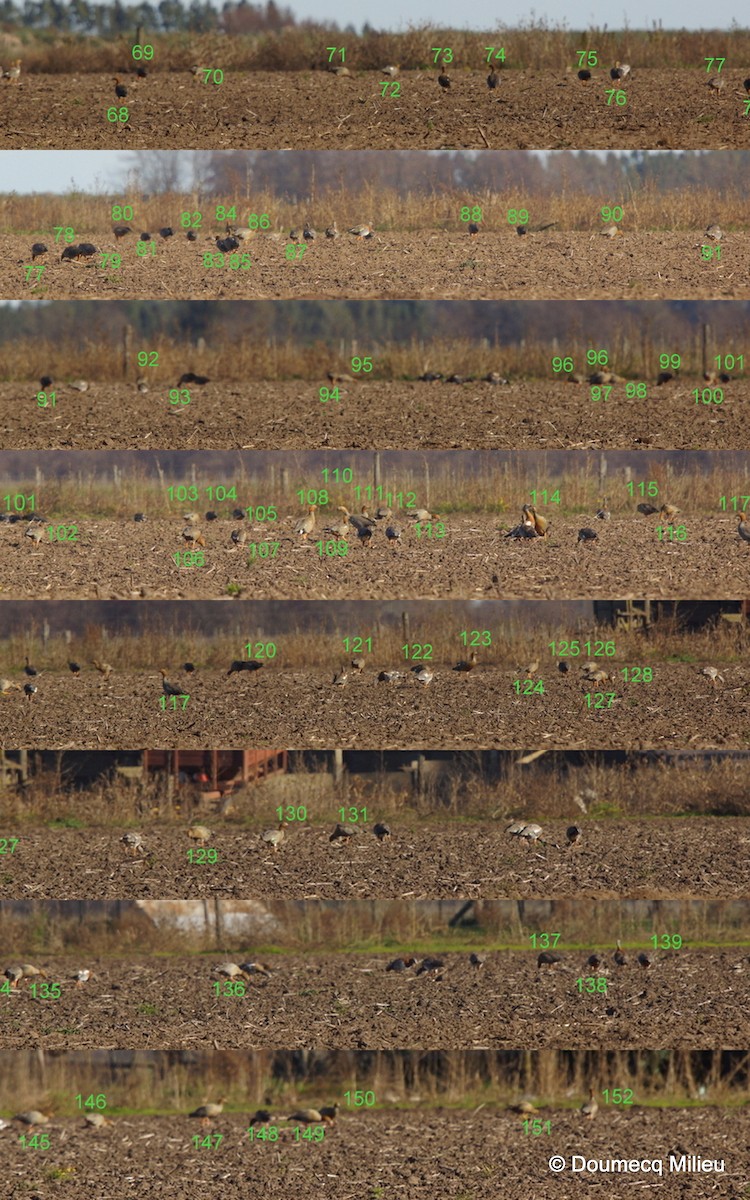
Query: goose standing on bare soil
x,y
343,833
590,1108
239,665
305,525
668,512
401,964
274,837
468,664
168,688
133,842
33,1117
714,674
207,1113
193,537
96,1121
229,970
548,959
306,1116
200,834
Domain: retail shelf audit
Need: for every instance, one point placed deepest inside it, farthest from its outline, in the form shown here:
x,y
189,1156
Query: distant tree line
x,y
169,16
395,321
301,174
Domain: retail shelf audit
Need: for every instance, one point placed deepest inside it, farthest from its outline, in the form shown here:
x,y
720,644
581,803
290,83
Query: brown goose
x,y
274,837
590,1108
305,525
206,1113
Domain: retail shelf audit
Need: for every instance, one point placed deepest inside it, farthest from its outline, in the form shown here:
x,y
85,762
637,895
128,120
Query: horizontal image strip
x,y
409,375
341,1119
362,974
373,824
466,675
602,674
373,525
249,76
165,225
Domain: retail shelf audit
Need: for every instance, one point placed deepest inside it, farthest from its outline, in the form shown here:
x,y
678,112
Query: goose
x,y
590,1108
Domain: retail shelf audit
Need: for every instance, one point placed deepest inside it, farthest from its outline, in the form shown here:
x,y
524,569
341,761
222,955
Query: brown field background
x,y
704,787
632,352
434,208
116,929
167,1080
532,44
444,484
514,643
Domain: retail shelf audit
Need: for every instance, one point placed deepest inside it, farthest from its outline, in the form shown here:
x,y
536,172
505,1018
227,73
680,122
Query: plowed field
x,y
276,416
690,998
706,858
297,709
424,265
421,1154
470,560
533,109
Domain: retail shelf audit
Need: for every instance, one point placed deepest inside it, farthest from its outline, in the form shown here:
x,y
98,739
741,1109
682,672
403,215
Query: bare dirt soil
x,y
527,415
421,1154
424,265
532,109
706,858
690,999
301,709
471,559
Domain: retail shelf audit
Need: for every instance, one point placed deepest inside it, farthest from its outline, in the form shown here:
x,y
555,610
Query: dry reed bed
x,y
161,1080
435,207
98,356
530,45
514,644
469,483
101,342
704,787
117,929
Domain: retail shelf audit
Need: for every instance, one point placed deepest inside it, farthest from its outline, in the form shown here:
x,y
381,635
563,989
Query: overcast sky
x,y
100,171
575,14
60,170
